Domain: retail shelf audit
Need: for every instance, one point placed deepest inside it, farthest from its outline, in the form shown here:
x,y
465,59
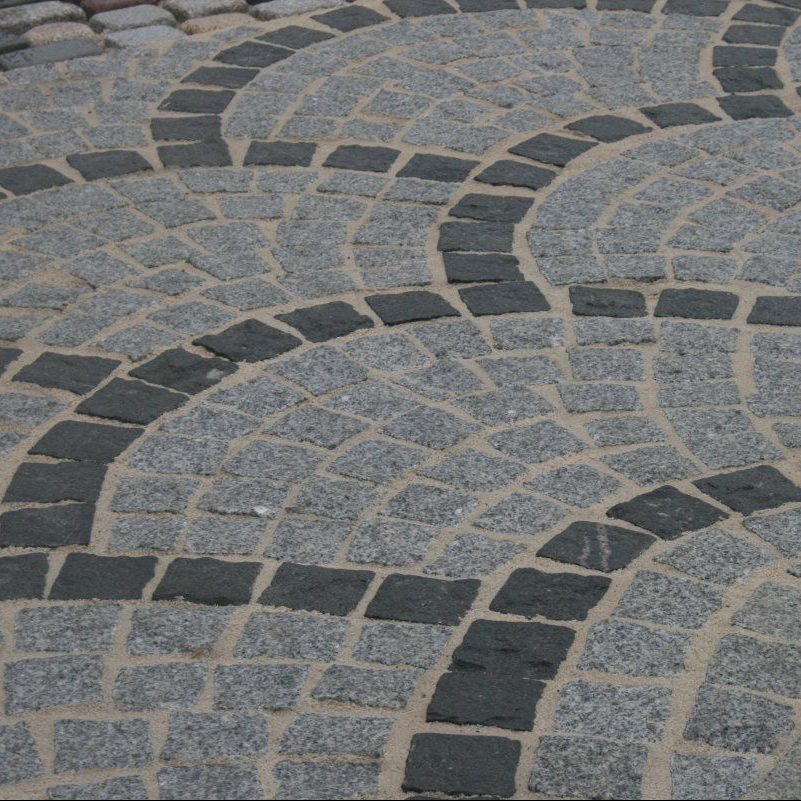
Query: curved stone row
x,y
200,127
178,372
338,421
649,635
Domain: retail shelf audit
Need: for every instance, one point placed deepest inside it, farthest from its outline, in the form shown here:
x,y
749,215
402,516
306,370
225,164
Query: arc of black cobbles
x,y
546,154
235,67
82,515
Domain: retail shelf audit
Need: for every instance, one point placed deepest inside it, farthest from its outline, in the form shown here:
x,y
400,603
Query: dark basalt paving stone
x,y
418,599
409,307
476,236
23,576
350,18
317,589
466,268
362,157
515,173
531,650
696,304
47,526
283,154
768,16
295,37
253,54
7,356
85,442
78,374
50,483
751,490
608,128
249,341
471,6
186,129
723,56
754,34
596,546
557,596
776,311
207,581
472,697
184,371
667,512
419,8
592,302
696,8
197,101
668,115
229,77
108,163
326,321
644,6
50,53
504,298
131,402
208,153
24,180
458,764
437,168
746,107
747,79
492,208
552,149
85,576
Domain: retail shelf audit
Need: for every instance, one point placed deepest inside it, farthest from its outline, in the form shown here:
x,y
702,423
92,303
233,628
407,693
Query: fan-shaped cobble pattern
x,y
404,398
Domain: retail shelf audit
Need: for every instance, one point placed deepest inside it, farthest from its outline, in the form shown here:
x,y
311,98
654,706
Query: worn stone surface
x,y
376,369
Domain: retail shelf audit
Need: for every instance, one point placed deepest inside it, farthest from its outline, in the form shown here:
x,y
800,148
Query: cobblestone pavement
x,y
405,398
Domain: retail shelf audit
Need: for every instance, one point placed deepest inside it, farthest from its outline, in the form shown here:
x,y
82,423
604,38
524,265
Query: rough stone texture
x,y
57,32
584,767
364,367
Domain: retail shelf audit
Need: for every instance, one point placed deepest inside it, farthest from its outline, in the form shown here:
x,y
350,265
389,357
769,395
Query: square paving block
x,y
407,307
479,698
208,581
85,442
596,546
78,374
317,589
533,650
750,490
51,483
48,526
184,371
117,578
249,341
667,512
327,321
462,765
419,599
109,164
131,402
557,596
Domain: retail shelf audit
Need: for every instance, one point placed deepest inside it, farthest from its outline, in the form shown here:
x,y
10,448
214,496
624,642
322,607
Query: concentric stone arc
x,y
401,398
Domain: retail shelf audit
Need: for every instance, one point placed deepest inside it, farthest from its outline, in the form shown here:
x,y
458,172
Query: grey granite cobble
x,y
95,745
70,629
33,684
